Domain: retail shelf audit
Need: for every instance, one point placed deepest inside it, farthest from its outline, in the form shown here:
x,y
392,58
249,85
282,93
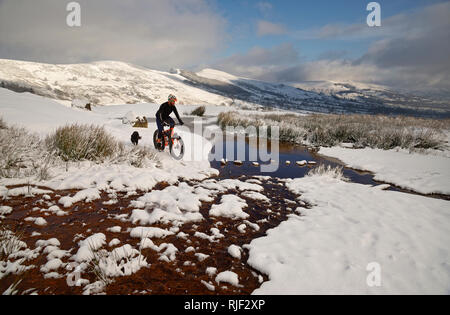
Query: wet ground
x,y
182,276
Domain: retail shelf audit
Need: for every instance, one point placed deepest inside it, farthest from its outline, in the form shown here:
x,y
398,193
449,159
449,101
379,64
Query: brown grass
x,y
379,131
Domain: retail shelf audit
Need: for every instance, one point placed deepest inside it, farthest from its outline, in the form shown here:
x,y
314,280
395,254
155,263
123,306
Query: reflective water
x,y
287,152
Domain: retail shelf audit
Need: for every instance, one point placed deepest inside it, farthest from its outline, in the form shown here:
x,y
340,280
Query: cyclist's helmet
x,y
172,98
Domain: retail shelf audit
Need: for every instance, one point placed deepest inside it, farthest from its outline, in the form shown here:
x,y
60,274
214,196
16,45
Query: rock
x,y
301,163
141,123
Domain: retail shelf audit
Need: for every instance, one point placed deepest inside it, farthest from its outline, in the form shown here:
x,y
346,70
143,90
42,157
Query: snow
x,y
201,257
208,285
423,173
217,75
38,221
5,210
230,206
351,226
169,253
107,82
88,246
44,116
211,271
235,251
149,232
228,277
326,250
255,196
87,195
115,229
51,265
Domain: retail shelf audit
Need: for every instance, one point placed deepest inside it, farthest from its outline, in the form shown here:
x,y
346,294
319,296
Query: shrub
x,y
2,124
334,172
382,132
137,156
18,150
199,111
82,142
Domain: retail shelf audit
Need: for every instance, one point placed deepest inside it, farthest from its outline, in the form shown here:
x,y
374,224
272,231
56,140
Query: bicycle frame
x,y
168,134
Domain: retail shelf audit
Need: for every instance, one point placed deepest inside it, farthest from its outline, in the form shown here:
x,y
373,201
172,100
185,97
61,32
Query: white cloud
x,y
268,28
264,6
258,61
153,33
410,51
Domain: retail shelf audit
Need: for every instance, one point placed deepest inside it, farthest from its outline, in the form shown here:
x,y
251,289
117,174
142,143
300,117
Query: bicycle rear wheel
x,y
158,146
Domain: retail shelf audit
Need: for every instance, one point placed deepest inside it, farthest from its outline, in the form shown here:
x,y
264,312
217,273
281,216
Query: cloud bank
x,y
152,33
410,51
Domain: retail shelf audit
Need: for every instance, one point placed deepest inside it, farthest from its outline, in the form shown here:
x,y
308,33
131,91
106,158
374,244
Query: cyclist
x,y
163,115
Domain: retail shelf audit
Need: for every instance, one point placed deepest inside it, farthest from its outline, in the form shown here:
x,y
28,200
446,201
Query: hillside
x,y
111,82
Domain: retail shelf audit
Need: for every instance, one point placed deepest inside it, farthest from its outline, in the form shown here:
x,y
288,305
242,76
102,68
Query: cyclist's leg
x,y
171,122
160,127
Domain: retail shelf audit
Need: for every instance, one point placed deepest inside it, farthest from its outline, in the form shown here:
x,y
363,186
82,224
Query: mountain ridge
x,y
115,82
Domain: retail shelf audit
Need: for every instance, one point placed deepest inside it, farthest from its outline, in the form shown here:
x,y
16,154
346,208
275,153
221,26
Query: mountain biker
x,y
163,115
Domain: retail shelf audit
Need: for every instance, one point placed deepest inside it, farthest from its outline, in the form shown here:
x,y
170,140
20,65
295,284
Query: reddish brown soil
x,y
161,277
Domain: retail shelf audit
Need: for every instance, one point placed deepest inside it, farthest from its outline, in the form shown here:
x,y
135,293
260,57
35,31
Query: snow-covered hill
x,y
111,82
103,83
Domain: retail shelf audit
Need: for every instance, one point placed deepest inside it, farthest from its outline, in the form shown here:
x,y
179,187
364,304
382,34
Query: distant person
x,y
163,115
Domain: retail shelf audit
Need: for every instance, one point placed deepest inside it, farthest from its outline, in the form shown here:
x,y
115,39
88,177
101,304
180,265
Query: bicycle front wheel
x,y
177,148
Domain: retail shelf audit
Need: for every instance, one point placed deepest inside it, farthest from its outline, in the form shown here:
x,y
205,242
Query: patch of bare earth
x,y
185,275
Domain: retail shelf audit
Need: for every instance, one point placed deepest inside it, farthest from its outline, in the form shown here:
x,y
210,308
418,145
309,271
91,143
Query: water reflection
x,y
287,153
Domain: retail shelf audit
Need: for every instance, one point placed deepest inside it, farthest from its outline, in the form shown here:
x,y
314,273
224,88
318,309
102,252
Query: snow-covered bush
x,y
2,124
22,154
379,131
94,143
199,111
10,242
82,142
334,172
137,156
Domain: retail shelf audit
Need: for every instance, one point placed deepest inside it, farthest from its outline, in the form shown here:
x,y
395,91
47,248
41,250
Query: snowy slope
x,y
327,96
43,116
424,173
104,83
351,232
111,82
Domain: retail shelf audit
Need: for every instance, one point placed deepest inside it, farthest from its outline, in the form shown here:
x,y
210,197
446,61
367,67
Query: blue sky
x,y
296,15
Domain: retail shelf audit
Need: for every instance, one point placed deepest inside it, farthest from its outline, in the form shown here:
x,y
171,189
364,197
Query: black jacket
x,y
165,110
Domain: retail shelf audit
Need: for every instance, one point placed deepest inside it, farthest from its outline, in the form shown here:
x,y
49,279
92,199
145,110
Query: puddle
x,y
287,152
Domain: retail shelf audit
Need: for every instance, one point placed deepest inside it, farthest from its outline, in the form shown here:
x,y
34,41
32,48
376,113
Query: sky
x,y
277,41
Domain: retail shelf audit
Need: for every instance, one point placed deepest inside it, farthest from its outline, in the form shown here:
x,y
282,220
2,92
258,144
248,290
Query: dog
x,y
135,137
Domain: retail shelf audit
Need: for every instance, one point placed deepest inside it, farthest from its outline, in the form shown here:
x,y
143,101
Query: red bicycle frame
x,y
168,133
